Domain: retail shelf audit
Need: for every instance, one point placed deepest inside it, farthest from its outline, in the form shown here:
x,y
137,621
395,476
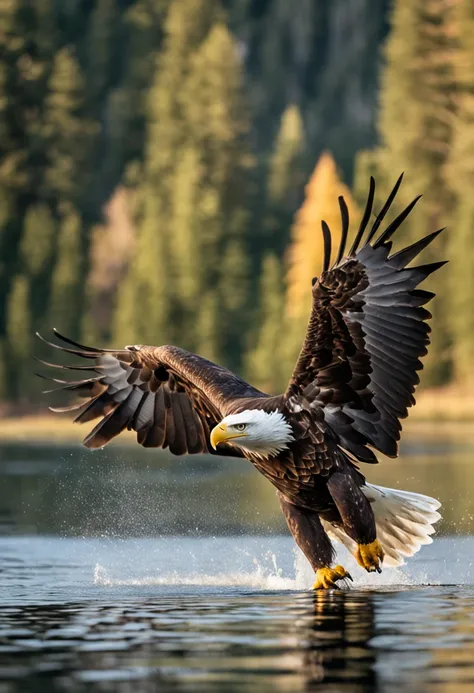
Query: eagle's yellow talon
x,y
326,577
370,556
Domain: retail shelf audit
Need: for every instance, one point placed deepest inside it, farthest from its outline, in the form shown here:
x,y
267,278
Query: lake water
x,y
125,570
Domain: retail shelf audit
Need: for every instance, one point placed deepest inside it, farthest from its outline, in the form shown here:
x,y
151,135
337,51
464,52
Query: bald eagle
x,y
352,384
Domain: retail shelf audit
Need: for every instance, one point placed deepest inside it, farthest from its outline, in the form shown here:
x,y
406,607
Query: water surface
x,y
125,571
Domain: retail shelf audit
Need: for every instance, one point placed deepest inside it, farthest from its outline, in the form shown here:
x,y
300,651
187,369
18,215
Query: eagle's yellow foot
x,y
326,577
370,556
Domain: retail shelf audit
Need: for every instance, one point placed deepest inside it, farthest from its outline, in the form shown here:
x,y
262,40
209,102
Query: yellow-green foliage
x,y
306,250
265,361
66,279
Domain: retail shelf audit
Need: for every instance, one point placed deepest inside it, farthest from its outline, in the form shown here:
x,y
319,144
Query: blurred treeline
x,y
155,158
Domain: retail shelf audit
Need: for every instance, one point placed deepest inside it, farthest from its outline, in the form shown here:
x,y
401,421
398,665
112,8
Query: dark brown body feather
x,y
353,382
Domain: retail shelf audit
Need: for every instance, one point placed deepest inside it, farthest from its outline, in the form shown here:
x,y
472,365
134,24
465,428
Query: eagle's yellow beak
x,y
221,434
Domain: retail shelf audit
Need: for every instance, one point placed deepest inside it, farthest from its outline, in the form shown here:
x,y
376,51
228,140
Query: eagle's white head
x,y
255,431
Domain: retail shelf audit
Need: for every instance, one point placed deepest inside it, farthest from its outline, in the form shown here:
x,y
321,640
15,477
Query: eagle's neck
x,y
265,453
269,434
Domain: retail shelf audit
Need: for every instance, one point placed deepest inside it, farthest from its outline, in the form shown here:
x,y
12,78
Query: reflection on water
x,y
341,641
193,643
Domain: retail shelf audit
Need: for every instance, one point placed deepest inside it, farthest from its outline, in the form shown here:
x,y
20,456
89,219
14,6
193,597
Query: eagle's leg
x,y
310,536
358,520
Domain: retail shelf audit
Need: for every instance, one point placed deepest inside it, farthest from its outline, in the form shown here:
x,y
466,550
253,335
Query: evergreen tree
x,y
192,222
308,53
208,327
5,368
151,277
418,105
233,299
265,366
418,99
460,285
184,241
460,176
143,312
105,106
36,245
186,26
285,178
8,239
68,133
19,338
143,25
460,166
102,47
27,41
66,281
37,258
218,135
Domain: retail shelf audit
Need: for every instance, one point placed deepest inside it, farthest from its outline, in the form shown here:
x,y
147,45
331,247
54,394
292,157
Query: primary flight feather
x,y
352,384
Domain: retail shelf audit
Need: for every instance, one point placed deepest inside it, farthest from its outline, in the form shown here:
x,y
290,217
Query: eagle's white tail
x,y
404,522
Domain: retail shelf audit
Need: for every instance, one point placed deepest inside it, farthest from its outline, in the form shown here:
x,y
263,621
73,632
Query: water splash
x,y
246,563
262,577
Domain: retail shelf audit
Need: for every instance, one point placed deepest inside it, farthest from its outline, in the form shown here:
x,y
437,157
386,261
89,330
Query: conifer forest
x,y
165,166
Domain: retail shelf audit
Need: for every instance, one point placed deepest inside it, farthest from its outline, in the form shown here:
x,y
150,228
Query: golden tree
x,y
306,251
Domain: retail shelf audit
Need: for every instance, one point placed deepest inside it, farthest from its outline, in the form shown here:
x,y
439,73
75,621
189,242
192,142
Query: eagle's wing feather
x,y
366,334
170,397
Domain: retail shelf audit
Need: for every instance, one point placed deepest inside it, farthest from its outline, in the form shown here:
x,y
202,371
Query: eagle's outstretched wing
x,y
170,397
366,334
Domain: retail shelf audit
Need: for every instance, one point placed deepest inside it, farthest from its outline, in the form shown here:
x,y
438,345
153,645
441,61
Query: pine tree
x,y
68,133
460,166
36,245
4,372
285,178
8,234
27,42
152,278
19,338
143,311
104,105
233,299
208,327
418,105
418,100
460,175
192,222
184,241
308,53
37,258
187,24
102,46
461,294
219,138
264,363
143,25
66,281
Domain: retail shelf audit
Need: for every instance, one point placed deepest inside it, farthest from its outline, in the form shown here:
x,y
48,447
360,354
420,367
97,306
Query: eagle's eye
x,y
240,427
